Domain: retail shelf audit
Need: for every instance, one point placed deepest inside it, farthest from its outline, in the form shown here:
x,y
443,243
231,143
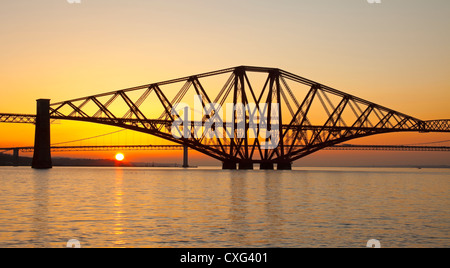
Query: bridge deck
x,y
345,147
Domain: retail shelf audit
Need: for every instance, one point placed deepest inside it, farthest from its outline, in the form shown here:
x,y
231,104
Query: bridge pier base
x,y
229,165
284,166
245,165
42,158
266,166
185,157
16,157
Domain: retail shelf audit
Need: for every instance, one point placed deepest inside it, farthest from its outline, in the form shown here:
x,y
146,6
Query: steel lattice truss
x,y
311,116
17,118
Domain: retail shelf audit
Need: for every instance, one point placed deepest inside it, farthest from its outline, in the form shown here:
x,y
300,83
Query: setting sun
x,y
120,157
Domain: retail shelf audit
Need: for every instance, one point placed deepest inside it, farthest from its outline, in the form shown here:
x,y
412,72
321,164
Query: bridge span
x,y
344,147
276,117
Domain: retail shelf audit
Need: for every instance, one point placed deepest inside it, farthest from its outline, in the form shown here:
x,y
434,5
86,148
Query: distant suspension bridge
x,y
88,148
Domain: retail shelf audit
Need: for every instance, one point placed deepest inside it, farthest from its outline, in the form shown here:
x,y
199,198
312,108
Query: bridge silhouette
x,y
90,148
300,116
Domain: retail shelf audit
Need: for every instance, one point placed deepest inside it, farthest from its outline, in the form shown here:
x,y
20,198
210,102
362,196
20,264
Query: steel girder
x,y
18,118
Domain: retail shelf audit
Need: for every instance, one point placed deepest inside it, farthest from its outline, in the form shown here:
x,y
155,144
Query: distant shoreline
x,y
8,160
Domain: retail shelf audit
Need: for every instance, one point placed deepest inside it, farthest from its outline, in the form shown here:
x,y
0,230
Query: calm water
x,y
113,207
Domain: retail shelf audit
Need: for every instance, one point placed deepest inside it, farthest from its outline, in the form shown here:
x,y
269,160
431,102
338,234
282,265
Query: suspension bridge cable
x,y
425,143
90,138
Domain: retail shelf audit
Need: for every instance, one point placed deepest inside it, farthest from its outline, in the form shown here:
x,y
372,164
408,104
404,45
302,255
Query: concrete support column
x,y
245,165
284,166
266,166
16,157
42,158
228,165
185,157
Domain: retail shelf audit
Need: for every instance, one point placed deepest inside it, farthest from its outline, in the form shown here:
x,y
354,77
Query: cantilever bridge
x,y
309,116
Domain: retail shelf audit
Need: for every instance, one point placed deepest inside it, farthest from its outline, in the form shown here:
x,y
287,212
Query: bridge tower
x,y
42,158
185,156
16,158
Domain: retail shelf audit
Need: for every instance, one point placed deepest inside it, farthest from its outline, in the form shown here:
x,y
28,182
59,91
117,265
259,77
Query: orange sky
x,y
394,53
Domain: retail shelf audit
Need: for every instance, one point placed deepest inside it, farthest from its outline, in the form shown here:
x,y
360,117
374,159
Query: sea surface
x,y
207,207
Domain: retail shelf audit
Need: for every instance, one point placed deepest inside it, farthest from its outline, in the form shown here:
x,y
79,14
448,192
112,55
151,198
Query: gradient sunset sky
x,y
395,53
